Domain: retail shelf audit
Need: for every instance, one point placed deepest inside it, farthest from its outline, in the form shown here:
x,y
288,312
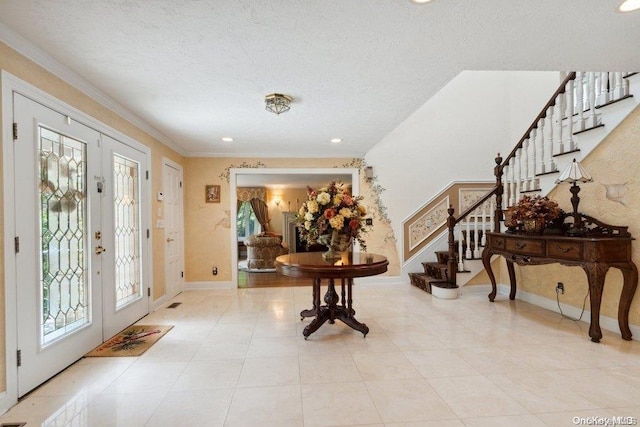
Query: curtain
x,y
262,212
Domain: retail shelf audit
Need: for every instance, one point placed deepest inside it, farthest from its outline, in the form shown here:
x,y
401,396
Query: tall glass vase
x,y
336,242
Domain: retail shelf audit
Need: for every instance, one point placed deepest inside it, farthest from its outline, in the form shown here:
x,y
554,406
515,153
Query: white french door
x,y
78,225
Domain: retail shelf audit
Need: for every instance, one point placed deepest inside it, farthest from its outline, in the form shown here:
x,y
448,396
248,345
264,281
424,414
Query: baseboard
x,y
159,303
210,285
606,322
5,402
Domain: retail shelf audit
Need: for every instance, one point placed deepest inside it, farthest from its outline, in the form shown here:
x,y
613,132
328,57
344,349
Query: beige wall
x,y
207,225
19,66
291,199
615,161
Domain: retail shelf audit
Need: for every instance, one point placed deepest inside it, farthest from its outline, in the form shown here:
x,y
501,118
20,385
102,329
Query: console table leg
x,y
486,261
630,275
512,280
596,273
315,301
331,298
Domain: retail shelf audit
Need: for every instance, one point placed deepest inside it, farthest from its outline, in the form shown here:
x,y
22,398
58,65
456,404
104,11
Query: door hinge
x,y
148,233
16,244
15,131
147,174
182,274
148,292
19,357
180,184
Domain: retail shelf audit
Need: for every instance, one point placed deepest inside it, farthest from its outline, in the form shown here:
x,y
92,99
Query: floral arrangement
x,y
536,207
330,209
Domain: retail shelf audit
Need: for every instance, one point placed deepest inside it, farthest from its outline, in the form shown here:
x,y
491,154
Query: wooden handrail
x,y
542,114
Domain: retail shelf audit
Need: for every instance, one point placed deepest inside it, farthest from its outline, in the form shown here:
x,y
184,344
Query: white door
x,y
172,196
78,203
125,299
57,211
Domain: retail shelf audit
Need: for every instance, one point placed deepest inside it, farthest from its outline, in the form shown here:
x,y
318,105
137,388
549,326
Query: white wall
x,y
455,136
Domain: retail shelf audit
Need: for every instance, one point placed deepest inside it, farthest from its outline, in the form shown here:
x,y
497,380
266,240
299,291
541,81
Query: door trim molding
x,y
233,206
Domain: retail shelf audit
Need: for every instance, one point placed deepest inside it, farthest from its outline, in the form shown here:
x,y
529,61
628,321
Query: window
x,y
247,224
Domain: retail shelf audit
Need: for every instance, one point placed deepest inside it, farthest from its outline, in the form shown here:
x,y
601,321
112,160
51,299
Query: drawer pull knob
x,y
520,245
564,250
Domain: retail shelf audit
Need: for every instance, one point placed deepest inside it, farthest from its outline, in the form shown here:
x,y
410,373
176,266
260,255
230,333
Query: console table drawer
x,y
564,250
526,247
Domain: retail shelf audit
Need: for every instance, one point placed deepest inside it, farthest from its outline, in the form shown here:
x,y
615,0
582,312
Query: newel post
x,y
452,262
497,171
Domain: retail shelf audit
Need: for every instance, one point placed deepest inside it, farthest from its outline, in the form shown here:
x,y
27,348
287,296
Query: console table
x,y
595,254
312,265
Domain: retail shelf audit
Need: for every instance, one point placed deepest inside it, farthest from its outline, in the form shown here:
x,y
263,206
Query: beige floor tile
x,y
266,406
46,410
327,368
408,400
108,410
439,363
384,366
415,341
209,375
533,391
436,423
488,360
338,404
273,347
147,377
372,343
220,350
269,372
476,396
192,408
505,421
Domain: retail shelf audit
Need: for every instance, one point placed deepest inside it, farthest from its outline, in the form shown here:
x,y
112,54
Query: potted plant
x,y
535,212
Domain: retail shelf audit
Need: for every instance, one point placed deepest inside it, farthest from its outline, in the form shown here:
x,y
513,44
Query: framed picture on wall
x,y
212,193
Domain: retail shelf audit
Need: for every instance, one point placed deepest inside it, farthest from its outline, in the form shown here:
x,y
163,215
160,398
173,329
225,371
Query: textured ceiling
x,y
197,71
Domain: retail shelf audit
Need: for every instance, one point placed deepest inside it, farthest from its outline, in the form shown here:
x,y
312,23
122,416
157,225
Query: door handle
x,y
99,250
169,239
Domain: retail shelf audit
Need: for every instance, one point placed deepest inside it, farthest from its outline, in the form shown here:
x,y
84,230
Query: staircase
x,y
584,109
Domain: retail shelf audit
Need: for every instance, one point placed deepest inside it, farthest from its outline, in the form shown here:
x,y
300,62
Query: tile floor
x,y
238,358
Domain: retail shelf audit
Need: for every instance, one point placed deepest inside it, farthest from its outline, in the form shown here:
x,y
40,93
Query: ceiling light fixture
x,y
420,1
227,139
336,140
629,6
277,103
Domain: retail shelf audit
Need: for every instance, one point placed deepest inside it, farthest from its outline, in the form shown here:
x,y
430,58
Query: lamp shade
x,y
574,173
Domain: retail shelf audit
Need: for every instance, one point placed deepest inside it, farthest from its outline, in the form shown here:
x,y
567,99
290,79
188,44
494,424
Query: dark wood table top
x,y
311,264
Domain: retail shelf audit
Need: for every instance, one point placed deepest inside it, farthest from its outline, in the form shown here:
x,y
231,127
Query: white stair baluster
x,y
551,166
484,224
603,92
618,91
525,152
579,101
468,254
460,248
558,112
492,212
612,86
476,235
592,119
512,188
541,157
517,172
534,157
569,99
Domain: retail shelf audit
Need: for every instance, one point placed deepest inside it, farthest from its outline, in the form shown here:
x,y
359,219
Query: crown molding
x,y
43,59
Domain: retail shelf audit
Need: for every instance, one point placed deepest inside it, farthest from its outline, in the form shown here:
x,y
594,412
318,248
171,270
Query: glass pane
x,y
126,205
63,219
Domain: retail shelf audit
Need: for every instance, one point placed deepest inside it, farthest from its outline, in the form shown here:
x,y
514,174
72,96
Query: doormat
x,y
133,341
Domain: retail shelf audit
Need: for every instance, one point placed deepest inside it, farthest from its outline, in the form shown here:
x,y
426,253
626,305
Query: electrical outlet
x,y
368,221
214,271
560,288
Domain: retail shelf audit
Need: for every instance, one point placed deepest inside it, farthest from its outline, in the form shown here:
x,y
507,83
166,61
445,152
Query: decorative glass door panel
x,y
64,284
126,202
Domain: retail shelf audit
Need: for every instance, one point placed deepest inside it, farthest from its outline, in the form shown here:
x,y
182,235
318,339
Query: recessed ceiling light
x,y
420,1
227,139
336,140
629,6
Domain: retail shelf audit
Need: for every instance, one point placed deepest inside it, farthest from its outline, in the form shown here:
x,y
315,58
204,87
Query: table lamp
x,y
573,174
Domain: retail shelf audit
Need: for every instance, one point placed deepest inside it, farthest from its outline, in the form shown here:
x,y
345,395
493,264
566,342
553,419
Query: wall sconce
x,y
276,201
368,173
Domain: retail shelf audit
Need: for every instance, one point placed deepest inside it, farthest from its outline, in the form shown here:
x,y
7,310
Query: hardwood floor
x,y
268,280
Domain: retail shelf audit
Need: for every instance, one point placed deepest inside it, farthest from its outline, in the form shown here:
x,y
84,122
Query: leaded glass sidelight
x,y
126,204
63,220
